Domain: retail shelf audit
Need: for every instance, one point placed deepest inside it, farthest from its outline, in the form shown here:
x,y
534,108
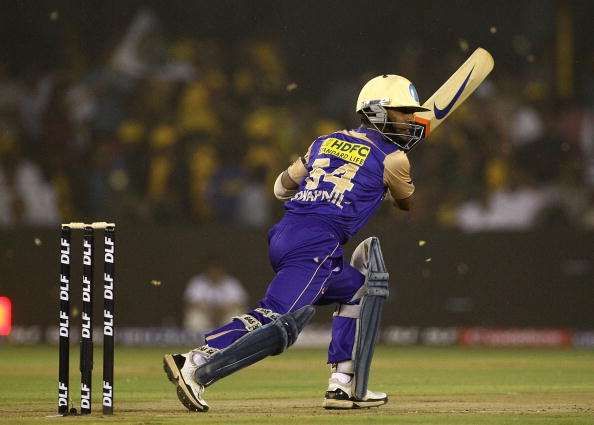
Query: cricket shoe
x,y
339,396
180,371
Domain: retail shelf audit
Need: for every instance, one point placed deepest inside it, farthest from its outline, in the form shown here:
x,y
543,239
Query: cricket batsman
x,y
329,194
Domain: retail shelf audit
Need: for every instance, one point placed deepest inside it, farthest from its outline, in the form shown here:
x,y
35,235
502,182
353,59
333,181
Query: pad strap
x,y
269,314
205,350
249,321
352,311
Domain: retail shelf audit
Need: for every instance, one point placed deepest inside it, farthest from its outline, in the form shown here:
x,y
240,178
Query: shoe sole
x,y
183,393
334,404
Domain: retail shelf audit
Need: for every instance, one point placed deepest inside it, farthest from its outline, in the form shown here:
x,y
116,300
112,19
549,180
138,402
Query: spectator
x,y
508,208
26,196
212,297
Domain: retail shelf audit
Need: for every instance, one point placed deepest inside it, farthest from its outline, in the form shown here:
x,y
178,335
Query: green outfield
x,y
425,386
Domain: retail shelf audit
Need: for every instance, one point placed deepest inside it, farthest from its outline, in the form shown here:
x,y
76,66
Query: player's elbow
x,y
404,204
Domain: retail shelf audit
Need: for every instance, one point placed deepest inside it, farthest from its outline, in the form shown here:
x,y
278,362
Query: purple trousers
x,y
310,270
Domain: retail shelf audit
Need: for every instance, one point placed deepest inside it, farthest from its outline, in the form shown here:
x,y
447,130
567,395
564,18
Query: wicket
x,y
86,341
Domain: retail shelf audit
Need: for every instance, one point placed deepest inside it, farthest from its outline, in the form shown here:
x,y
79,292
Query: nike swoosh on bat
x,y
441,113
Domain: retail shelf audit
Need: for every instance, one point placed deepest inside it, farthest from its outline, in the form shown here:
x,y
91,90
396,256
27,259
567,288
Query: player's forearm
x,y
285,187
287,183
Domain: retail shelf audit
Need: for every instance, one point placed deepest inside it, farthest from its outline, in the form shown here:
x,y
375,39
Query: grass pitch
x,y
425,386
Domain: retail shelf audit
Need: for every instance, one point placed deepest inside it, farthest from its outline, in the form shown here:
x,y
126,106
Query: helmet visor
x,y
405,135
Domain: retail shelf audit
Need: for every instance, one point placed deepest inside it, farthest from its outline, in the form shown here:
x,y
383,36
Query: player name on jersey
x,y
348,151
319,195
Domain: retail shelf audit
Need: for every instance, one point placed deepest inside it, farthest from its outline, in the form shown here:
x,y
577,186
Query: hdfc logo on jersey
x,y
352,152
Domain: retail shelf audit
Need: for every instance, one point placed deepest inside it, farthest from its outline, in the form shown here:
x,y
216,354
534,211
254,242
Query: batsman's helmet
x,y
391,91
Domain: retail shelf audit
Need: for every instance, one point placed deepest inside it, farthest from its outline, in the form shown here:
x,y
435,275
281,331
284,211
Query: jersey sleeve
x,y
307,154
397,175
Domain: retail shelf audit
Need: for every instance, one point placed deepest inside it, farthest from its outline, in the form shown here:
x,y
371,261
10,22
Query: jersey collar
x,y
371,133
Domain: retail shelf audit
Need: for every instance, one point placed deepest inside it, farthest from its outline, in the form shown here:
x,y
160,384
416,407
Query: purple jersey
x,y
346,181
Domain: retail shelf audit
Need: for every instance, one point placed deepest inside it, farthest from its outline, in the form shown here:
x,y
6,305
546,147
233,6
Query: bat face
x,y
455,90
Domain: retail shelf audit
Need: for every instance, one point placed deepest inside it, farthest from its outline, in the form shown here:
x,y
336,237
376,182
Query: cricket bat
x,y
455,90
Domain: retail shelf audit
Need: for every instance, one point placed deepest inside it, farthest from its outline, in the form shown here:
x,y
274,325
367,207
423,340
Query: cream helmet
x,y
391,91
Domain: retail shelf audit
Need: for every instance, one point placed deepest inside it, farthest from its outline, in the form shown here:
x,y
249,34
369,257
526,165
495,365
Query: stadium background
x,y
172,119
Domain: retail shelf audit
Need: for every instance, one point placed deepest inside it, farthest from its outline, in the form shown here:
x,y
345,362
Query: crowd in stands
x,y
191,130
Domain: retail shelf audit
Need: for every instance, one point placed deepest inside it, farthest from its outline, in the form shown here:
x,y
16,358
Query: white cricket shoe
x,y
180,370
339,396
